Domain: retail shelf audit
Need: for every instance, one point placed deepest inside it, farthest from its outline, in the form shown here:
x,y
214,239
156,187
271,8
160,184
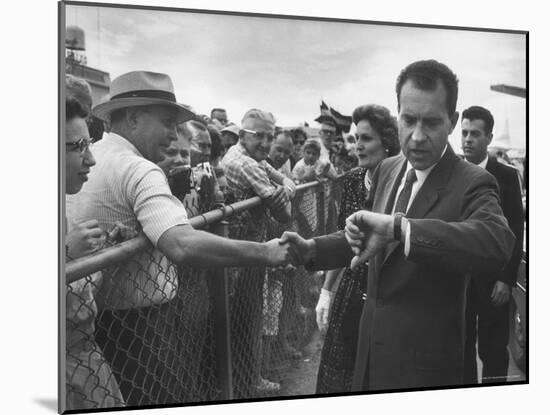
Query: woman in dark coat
x,y
376,134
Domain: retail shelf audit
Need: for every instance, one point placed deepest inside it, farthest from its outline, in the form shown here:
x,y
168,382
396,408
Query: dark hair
x,y
216,109
295,132
480,113
382,122
217,148
74,109
425,75
96,127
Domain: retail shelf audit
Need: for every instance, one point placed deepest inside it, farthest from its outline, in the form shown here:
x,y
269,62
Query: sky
x,y
288,66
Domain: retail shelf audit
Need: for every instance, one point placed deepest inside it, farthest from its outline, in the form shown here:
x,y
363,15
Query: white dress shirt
x,y
483,164
421,176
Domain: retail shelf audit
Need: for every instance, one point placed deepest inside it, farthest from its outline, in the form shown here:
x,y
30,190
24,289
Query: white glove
x,y
322,309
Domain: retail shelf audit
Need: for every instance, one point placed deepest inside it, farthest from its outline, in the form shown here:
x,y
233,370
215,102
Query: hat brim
x,y
104,110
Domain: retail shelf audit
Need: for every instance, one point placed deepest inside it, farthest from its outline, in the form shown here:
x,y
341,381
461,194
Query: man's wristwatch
x,y
397,220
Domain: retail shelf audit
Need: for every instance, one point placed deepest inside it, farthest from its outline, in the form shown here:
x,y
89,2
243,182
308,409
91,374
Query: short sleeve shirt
x,y
123,186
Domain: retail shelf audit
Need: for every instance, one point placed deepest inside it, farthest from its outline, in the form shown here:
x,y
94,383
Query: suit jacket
x,y
412,327
510,201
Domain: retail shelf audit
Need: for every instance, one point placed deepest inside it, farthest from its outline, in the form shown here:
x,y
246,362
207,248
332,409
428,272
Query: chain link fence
x,y
143,331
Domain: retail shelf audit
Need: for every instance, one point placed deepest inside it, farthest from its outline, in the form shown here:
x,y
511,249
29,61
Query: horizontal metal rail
x,y
113,255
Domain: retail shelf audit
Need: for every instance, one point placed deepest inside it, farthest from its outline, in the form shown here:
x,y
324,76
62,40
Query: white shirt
x,y
483,164
124,186
325,155
421,176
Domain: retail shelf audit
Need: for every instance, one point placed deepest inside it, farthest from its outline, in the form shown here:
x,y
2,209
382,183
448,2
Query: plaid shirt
x,y
247,177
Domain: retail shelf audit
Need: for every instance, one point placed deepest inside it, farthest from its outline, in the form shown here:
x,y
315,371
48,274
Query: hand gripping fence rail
x,y
141,331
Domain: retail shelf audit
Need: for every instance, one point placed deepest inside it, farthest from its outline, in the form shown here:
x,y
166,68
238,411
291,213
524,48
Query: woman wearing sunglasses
x,y
89,380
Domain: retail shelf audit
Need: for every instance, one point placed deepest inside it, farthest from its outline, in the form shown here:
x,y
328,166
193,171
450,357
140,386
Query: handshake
x,y
366,233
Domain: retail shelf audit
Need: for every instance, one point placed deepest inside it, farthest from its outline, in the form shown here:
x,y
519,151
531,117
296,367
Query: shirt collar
x,y
483,164
422,175
120,140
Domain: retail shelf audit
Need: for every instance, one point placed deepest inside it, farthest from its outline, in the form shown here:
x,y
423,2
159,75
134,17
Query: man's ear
x,y
454,121
131,117
490,137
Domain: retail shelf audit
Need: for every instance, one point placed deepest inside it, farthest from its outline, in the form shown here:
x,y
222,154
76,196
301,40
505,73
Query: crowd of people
x,y
419,271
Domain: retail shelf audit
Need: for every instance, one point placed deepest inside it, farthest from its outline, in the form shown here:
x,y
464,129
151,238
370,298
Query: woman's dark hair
x,y
215,138
96,127
296,132
383,122
74,108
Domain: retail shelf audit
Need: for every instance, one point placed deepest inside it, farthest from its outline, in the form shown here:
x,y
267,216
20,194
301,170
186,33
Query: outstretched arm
x,y
187,246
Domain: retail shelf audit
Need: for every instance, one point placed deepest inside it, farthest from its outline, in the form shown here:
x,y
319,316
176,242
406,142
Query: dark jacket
x,y
510,200
412,327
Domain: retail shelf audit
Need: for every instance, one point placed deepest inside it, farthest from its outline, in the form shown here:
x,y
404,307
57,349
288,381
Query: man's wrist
x,y
398,226
311,251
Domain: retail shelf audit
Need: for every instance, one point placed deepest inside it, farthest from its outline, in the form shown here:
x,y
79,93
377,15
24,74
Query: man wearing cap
x,y
434,221
248,175
230,136
128,186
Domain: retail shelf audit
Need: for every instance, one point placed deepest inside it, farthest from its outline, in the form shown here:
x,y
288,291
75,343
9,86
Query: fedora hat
x,y
140,88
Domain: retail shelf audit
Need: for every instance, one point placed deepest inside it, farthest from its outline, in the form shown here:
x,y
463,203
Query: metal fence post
x,y
321,222
221,319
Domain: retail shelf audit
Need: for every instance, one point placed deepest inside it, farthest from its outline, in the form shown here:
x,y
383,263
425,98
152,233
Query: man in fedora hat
x,y
127,186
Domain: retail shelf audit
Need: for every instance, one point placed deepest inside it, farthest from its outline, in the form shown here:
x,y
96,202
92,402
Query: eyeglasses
x,y
81,145
260,135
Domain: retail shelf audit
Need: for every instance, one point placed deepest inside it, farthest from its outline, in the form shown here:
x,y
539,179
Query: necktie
x,y
405,195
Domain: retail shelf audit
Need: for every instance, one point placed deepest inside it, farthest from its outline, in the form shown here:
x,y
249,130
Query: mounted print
x,y
259,207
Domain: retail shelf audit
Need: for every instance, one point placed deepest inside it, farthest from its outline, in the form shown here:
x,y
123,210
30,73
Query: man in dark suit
x,y
488,295
435,219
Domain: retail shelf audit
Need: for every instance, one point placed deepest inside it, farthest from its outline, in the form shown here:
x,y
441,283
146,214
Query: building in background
x,y
75,64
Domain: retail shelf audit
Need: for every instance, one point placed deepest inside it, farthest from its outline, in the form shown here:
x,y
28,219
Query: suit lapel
x,y
492,166
428,194
394,179
436,182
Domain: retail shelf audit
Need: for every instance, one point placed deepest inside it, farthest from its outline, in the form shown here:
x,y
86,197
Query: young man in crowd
x,y
280,152
489,295
248,175
219,117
